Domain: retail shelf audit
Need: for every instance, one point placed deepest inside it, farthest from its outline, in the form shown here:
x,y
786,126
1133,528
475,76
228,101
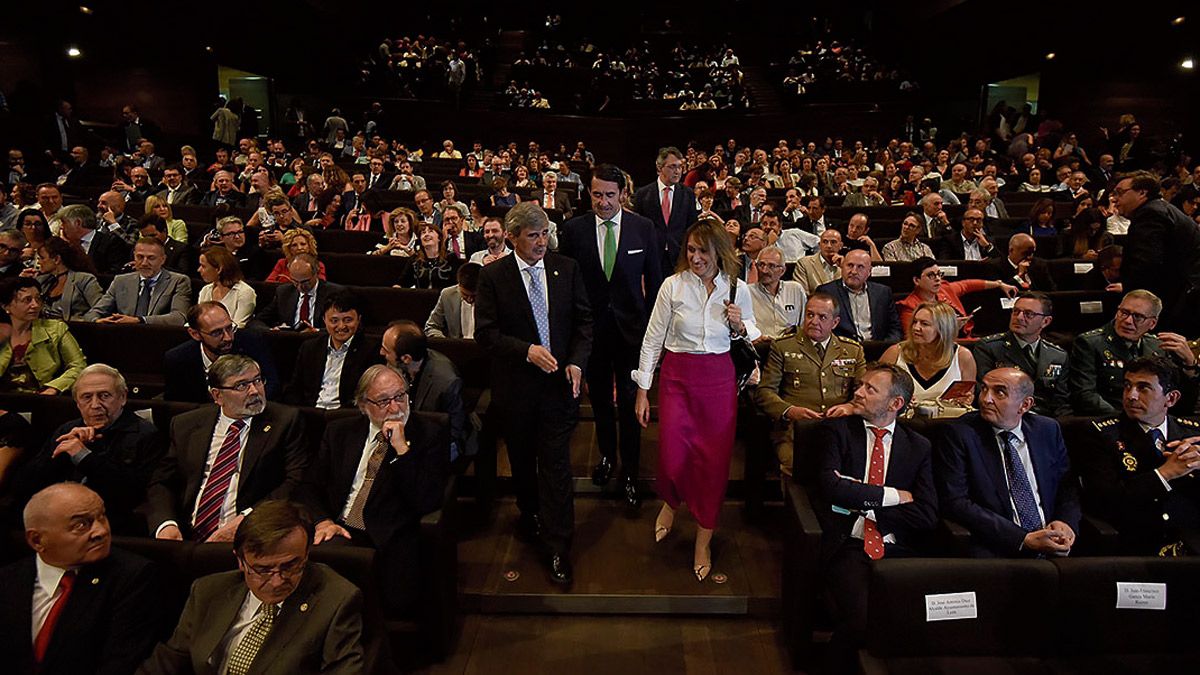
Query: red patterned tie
x,y
666,205
872,540
208,514
305,317
43,637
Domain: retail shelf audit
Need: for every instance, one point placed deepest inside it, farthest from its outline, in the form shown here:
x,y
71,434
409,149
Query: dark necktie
x,y
1157,440
143,303
305,316
820,350
1018,485
1031,352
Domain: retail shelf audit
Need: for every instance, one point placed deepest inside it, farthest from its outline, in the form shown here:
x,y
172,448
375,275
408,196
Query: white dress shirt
x,y
85,242
233,637
774,314
891,497
540,270
686,319
467,319
602,232
1022,449
478,256
331,380
45,592
796,243
312,305
971,249
360,471
860,311
229,506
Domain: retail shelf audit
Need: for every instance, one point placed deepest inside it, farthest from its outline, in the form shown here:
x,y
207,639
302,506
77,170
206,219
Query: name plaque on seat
x,y
1091,307
881,271
1083,268
949,270
951,606
1141,595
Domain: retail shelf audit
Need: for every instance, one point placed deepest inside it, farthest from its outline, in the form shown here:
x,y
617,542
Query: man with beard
x,y
225,459
495,247
213,335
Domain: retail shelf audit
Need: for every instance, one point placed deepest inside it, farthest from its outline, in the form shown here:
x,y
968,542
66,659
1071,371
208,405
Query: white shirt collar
x,y
1016,431
663,186
522,265
48,576
1162,428
891,428
615,219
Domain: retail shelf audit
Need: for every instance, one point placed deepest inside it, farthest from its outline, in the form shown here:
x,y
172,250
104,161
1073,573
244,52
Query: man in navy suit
x,y
1005,475
213,335
868,312
669,204
532,316
617,254
875,496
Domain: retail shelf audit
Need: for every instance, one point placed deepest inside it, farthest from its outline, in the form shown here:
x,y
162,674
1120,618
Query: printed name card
x,y
881,271
1091,307
949,270
1007,303
1083,268
1140,595
950,606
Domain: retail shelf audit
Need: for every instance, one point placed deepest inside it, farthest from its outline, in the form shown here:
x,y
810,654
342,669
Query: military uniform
x,y
1049,372
1098,361
1121,486
796,375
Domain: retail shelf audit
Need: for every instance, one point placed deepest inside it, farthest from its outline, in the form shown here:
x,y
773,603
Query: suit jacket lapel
x,y
209,635
286,623
858,442
260,429
1039,457
197,453
351,454
160,288
518,286
994,463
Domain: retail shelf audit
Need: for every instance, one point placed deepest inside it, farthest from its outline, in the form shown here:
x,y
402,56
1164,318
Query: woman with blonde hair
x,y
691,330
225,284
399,233
932,357
176,228
295,241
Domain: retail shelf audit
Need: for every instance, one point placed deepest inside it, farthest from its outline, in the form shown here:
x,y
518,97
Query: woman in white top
x,y
225,284
399,235
932,357
690,329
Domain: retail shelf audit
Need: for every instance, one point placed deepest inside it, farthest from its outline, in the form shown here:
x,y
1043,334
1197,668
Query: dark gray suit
x,y
445,321
438,388
79,294
169,300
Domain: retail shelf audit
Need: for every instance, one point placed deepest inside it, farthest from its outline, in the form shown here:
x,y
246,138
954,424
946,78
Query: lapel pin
x,y
304,607
95,580
267,428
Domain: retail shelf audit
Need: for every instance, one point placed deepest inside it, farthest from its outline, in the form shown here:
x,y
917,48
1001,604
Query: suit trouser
x,y
537,433
612,360
847,577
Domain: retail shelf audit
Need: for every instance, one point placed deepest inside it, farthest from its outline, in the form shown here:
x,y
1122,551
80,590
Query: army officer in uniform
x,y
809,376
1023,347
1099,356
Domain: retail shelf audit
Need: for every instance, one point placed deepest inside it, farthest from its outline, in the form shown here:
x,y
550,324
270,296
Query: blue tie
x,y
1018,486
537,300
1157,440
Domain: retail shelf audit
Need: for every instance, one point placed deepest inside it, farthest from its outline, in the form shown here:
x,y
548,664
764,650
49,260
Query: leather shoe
x,y
603,472
629,489
529,529
560,569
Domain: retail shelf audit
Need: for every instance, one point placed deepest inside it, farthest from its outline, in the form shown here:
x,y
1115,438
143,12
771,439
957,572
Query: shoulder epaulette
x,y
992,337
1105,423
1094,331
847,340
1188,422
1053,346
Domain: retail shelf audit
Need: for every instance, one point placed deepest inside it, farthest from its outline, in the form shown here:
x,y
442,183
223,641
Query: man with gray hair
x,y
778,302
224,192
668,203
226,458
108,446
109,253
376,474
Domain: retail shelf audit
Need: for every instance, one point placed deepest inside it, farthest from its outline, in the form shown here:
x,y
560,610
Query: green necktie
x,y
610,249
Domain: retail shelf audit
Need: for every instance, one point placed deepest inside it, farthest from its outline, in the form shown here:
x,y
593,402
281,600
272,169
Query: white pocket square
x,y
637,250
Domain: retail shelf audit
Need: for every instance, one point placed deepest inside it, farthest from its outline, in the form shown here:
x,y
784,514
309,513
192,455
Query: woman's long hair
x,y
711,234
946,324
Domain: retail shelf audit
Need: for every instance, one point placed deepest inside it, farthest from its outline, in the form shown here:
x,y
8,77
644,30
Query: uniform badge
x,y
1054,370
1129,461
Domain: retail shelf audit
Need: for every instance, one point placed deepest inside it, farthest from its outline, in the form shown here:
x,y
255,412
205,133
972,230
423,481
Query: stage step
x,y
619,569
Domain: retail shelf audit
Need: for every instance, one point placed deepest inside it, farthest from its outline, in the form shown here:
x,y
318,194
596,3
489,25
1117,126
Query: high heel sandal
x,y
701,570
660,530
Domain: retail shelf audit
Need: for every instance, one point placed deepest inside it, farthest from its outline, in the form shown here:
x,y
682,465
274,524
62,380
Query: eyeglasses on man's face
x,y
244,385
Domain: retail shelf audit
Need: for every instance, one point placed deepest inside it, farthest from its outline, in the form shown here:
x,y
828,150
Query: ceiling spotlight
x,y
1187,64
1050,56
84,9
208,49
1178,20
74,52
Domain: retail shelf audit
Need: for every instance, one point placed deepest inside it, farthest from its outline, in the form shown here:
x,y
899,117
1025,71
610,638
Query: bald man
x,y
77,606
111,215
1022,268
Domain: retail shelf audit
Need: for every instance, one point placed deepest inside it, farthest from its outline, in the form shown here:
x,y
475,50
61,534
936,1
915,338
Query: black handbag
x,y
743,353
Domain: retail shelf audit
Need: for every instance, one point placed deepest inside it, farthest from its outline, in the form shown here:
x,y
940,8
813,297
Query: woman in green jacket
x,y
37,356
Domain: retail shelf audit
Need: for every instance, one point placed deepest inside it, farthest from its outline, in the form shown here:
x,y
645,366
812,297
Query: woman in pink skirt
x,y
690,330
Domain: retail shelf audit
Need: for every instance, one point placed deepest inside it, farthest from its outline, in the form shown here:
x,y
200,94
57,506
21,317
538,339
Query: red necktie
x,y
454,245
666,205
208,514
305,318
872,540
43,637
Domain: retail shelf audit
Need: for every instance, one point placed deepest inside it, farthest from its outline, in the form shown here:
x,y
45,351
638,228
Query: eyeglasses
x,y
398,399
768,265
1138,319
285,571
233,233
7,248
242,387
1027,313
219,333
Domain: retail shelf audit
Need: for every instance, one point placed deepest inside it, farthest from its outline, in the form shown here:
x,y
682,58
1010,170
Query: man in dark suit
x,y
109,253
225,459
108,447
668,204
1106,269
224,193
816,222
1024,347
459,244
622,276
179,255
1021,269
378,178
296,306
970,242
1140,473
277,614
532,316
875,496
92,608
328,367
408,478
751,213
84,174
551,198
1005,476
230,232
867,310
435,385
213,334
176,191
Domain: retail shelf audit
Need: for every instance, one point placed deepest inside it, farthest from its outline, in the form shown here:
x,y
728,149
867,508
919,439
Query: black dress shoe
x,y
529,529
629,489
560,569
603,471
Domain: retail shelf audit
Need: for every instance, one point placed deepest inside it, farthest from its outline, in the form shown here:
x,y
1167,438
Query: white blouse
x,y
688,320
240,301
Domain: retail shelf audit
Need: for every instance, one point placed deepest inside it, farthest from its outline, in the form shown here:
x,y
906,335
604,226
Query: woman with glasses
x,y
225,284
37,356
935,361
929,287
67,279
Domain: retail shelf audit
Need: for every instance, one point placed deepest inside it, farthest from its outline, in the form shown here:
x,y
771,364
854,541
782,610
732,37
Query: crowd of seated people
x,y
424,66
829,60
96,254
